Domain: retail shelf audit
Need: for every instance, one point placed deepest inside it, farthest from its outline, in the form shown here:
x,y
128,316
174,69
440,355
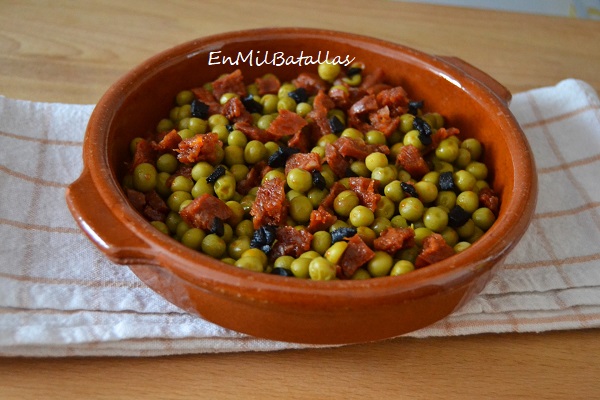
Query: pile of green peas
x,y
426,213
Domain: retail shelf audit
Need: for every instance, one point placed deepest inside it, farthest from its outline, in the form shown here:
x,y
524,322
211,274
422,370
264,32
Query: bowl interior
x,y
135,104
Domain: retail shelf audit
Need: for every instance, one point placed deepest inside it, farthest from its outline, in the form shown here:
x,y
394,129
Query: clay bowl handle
x,y
117,240
493,85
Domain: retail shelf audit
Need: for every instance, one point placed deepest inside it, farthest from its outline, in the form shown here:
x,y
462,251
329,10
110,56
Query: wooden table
x,y
71,51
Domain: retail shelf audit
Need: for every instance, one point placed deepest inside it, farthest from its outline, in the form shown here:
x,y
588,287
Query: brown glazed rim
x,y
103,212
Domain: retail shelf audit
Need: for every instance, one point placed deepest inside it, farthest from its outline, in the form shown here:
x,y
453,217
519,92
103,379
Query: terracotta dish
x,y
291,309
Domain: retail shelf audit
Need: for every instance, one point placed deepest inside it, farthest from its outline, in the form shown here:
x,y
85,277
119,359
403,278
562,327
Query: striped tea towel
x,y
59,296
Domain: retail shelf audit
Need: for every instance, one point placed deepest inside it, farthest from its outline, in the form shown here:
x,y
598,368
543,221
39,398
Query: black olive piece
x,y
414,106
299,95
263,238
282,272
425,140
217,227
336,125
251,105
216,174
424,129
409,189
350,173
446,181
341,234
457,217
229,127
280,156
318,180
199,109
353,71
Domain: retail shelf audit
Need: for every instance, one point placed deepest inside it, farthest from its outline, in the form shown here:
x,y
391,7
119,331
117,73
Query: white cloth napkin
x,y
59,296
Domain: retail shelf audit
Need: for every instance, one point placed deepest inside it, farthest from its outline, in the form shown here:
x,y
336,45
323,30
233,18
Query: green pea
x,y
478,169
375,137
360,274
239,171
466,230
411,208
447,150
224,187
164,125
197,125
225,97
384,175
435,219
352,133
399,221
326,139
431,177
450,236
483,218
380,224
422,233
473,146
380,264
345,202
253,252
238,246
376,160
202,187
302,109
299,267
182,183
316,196
237,138
446,200
160,226
167,163
284,262
406,122
361,216
427,191
321,242
144,177
250,264
176,198
402,267
286,103
367,234
412,138
393,191
172,220
193,238
359,168
274,173
468,200
463,159
184,97
161,184
300,209
213,245
328,71
335,252
299,179
269,103
254,152
181,229
234,155
464,180
185,111
461,246
320,269
385,208
201,169
217,119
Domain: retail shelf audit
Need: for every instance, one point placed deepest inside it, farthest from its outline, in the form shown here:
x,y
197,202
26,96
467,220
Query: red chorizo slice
x,y
412,161
254,177
338,164
321,106
321,219
169,142
382,121
434,249
488,198
357,148
359,111
335,189
373,78
367,191
301,139
395,98
200,147
306,161
203,210
311,82
392,240
229,83
144,153
287,123
156,208
253,132
268,84
182,170
206,97
270,206
291,242
441,134
340,97
136,198
356,255
235,111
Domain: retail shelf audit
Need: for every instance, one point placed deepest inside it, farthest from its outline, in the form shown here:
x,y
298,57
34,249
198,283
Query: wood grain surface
x,y
71,51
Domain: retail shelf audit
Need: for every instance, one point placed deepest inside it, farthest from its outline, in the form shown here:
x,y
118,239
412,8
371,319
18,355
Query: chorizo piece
x,y
230,83
321,219
287,123
203,210
412,161
200,147
367,191
356,255
270,206
291,242
168,143
306,161
488,198
434,249
392,240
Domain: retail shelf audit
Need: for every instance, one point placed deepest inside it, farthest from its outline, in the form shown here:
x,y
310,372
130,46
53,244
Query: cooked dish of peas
x,y
335,174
